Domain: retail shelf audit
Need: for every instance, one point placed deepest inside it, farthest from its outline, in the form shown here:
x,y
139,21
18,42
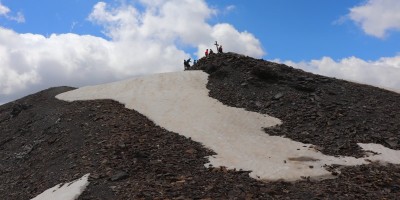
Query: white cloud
x,y
174,21
384,72
239,42
377,17
4,11
230,8
18,18
140,42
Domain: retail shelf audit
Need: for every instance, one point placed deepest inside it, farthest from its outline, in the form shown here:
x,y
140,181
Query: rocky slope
x,y
330,113
45,141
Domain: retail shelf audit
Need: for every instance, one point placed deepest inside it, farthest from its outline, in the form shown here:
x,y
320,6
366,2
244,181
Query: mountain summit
x,y
187,135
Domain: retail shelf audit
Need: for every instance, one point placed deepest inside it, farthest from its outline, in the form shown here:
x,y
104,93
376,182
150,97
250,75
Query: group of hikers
x,y
207,53
219,49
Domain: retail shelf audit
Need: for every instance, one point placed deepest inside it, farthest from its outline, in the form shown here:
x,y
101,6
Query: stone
x,y
392,143
119,176
278,96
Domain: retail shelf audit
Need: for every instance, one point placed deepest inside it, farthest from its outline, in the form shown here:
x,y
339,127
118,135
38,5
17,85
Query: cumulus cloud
x,y
4,11
377,17
139,41
172,22
384,72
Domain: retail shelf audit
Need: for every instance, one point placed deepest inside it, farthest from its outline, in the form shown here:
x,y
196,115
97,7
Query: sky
x,y
47,43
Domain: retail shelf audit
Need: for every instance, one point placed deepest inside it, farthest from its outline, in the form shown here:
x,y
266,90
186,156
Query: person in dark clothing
x,y
220,49
186,63
211,52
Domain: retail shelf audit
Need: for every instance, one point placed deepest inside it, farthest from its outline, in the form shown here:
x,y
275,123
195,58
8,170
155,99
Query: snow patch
x,y
67,191
179,102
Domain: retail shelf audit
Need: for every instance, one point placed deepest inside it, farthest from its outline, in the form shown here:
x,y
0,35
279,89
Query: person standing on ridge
x,y
220,49
186,63
206,53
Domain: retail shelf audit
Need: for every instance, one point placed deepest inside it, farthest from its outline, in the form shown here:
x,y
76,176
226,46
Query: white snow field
x,y
179,102
68,191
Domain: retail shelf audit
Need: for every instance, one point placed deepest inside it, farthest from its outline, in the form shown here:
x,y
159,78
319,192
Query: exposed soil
x,y
45,141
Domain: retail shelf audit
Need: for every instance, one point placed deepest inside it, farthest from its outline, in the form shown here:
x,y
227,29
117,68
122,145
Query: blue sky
x,y
289,30
49,43
304,30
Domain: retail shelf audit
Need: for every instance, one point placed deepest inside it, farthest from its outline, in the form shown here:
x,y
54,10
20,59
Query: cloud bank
x,y
148,40
377,17
384,72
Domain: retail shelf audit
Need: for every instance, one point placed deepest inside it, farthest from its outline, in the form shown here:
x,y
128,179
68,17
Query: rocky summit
x,y
45,141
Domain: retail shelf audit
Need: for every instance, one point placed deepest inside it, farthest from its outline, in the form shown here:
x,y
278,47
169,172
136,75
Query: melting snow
x,y
67,191
179,102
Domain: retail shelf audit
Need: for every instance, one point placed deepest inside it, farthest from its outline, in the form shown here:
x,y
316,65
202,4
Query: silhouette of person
x,y
186,64
206,53
220,49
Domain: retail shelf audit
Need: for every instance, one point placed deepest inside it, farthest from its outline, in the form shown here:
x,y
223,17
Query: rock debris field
x,y
45,141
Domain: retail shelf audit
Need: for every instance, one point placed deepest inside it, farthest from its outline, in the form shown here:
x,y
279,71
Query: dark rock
x,y
393,143
266,73
119,176
309,79
278,96
18,108
304,87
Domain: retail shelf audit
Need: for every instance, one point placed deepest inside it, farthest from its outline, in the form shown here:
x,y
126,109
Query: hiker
x,y
194,62
206,53
220,49
186,63
211,52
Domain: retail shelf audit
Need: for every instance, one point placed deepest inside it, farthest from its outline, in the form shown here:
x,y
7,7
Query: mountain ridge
x,y
106,139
